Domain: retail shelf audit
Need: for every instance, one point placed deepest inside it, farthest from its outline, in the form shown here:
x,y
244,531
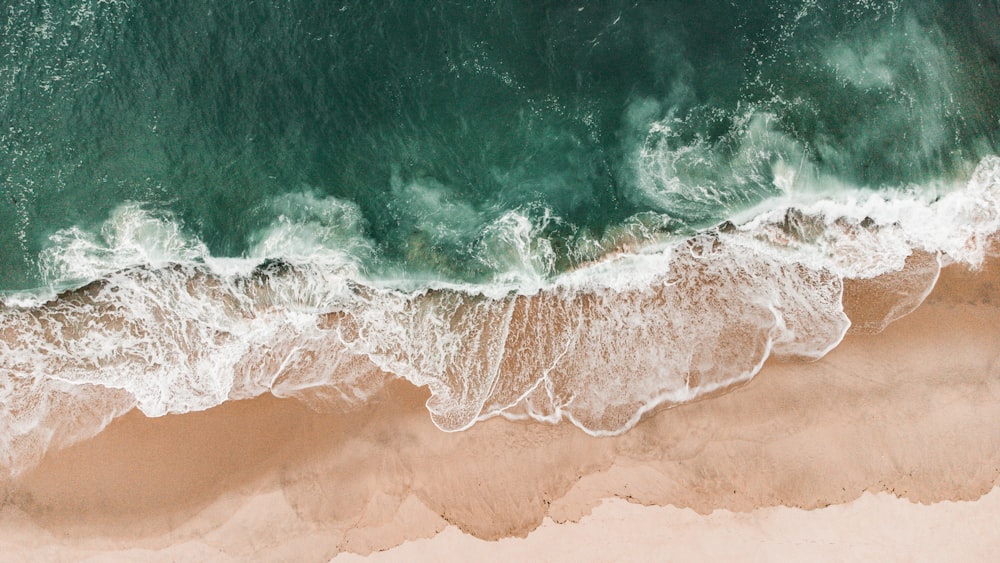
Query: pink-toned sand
x,y
872,528
809,460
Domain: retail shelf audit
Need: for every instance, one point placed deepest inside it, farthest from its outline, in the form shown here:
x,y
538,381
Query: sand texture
x,y
832,459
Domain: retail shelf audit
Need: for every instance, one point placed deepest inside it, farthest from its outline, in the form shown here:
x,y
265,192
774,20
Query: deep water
x,y
460,141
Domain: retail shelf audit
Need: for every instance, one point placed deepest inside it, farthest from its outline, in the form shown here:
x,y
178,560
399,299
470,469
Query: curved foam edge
x,y
606,343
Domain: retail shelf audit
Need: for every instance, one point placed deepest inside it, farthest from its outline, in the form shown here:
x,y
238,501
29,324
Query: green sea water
x,y
414,129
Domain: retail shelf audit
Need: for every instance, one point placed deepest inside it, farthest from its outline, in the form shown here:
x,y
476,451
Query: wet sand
x,y
883,426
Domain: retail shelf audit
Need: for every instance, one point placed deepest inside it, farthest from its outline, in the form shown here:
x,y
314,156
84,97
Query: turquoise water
x,y
427,122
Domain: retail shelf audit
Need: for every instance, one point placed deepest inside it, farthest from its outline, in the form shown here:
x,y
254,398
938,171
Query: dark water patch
x,y
435,119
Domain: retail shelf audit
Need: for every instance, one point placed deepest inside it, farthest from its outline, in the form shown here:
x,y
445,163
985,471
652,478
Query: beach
x,y
319,280
898,429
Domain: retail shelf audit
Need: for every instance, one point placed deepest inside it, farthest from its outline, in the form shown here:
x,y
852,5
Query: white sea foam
x,y
131,236
514,245
167,328
314,229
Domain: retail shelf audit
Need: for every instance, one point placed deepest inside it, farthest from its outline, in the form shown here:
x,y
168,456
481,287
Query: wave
x,y
152,321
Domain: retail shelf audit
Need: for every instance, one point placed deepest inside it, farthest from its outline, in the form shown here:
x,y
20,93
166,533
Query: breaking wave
x,y
138,314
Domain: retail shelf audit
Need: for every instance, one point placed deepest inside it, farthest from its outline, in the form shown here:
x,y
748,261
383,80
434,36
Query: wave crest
x,y
598,346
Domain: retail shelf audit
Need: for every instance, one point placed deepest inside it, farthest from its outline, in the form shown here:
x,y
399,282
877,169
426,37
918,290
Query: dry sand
x,y
913,413
868,529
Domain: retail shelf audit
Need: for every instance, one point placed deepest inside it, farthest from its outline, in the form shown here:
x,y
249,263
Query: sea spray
x,y
598,346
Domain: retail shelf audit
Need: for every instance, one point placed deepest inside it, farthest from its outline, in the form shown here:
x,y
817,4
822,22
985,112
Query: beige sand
x,y
913,411
868,529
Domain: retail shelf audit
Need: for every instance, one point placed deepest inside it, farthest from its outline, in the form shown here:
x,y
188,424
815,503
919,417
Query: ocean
x,y
559,211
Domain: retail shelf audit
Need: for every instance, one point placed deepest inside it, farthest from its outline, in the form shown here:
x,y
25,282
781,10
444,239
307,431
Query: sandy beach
x,y
316,281
887,447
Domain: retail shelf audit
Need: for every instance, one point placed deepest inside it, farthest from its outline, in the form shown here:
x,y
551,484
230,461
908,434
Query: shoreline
x,y
913,411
